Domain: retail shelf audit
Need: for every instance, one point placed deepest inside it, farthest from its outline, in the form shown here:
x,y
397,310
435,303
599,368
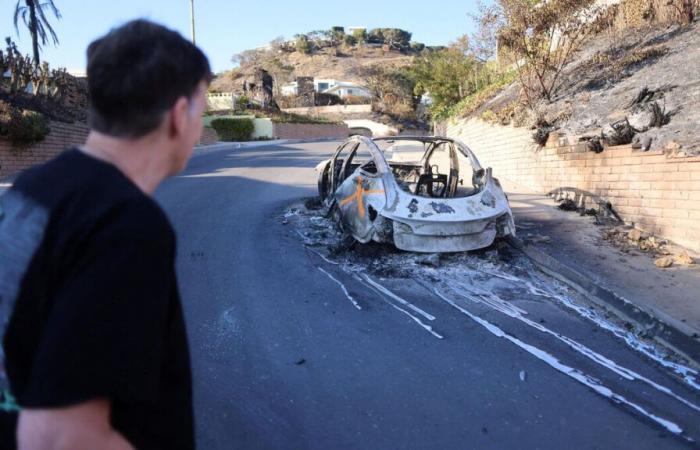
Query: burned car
x,y
423,194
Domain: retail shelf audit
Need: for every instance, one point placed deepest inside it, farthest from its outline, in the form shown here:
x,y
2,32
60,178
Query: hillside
x,y
331,63
647,78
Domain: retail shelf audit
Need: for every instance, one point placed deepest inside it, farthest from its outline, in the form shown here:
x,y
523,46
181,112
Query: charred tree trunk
x,y
688,14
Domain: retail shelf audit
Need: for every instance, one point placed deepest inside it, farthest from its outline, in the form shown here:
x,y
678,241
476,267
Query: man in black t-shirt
x,y
95,351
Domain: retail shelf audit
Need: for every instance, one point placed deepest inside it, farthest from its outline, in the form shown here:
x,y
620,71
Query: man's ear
x,y
178,117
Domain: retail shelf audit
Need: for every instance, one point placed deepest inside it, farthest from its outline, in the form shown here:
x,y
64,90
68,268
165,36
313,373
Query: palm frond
x,y
43,23
52,6
19,11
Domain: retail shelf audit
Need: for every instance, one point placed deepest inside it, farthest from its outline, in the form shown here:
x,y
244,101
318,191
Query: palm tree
x,y
32,14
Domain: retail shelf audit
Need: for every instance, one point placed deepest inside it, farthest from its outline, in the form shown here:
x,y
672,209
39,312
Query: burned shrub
x,y
661,117
618,133
594,145
542,131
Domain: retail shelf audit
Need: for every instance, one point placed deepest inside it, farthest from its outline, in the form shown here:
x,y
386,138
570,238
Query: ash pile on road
x,y
323,236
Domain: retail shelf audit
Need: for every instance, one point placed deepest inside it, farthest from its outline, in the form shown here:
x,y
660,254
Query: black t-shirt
x,y
87,281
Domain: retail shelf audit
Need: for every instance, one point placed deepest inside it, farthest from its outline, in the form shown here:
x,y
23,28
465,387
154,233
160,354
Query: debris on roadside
x,y
626,239
665,255
664,262
684,259
586,204
635,235
568,205
432,260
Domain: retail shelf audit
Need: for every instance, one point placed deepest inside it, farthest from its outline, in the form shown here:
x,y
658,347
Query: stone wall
x,y
309,131
62,136
652,190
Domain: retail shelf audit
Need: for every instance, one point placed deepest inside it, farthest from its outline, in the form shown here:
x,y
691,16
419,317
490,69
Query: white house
x,y
343,89
330,86
351,30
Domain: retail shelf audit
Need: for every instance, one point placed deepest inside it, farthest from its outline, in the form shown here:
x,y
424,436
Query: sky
x,y
224,28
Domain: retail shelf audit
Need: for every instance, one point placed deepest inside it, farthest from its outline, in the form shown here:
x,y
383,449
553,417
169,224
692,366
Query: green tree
x,y
449,75
337,36
360,34
397,38
417,46
302,44
391,88
375,36
32,13
349,40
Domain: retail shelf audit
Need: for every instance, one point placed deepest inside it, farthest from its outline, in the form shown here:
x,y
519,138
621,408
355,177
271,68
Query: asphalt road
x,y
283,359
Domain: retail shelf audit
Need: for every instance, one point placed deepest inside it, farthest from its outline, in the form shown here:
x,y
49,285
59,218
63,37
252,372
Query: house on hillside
x,y
351,30
342,89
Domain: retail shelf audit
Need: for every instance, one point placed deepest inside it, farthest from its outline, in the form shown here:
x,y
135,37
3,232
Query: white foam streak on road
x,y
390,294
382,290
690,376
504,307
342,286
576,374
320,255
500,274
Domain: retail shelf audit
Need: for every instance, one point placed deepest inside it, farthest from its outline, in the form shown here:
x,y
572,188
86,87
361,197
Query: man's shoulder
x,y
93,198
139,217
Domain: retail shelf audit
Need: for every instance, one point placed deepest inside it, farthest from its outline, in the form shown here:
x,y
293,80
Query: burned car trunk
x,y
423,194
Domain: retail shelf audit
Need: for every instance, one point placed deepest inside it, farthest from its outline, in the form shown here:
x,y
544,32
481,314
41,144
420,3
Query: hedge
x,y
23,128
233,129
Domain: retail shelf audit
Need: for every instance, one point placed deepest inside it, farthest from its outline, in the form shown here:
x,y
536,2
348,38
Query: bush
x,y
356,100
23,128
375,36
233,129
360,35
302,44
417,46
349,40
242,102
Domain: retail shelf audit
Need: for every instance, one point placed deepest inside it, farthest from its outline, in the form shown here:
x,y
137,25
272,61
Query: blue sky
x,y
228,27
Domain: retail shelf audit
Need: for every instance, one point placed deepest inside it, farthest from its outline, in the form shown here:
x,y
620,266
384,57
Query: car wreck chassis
x,y
423,194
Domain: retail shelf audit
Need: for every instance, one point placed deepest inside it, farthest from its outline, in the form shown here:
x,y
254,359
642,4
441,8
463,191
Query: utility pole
x,y
192,18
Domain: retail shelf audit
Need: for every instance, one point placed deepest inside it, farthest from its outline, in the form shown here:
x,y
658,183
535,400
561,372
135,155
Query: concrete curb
x,y
653,323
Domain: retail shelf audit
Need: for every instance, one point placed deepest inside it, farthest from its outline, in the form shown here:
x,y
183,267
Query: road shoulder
x,y
659,303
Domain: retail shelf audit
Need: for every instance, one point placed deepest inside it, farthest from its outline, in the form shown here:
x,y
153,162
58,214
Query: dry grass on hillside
x,y
326,63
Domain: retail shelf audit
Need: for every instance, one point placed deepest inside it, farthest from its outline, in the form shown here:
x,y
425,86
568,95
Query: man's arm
x,y
82,426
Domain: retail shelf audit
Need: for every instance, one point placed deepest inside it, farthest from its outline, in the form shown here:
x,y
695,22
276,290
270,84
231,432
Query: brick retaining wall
x,y
651,190
62,136
309,131
209,136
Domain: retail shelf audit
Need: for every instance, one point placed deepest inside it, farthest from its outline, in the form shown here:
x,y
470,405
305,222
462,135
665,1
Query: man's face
x,y
189,122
